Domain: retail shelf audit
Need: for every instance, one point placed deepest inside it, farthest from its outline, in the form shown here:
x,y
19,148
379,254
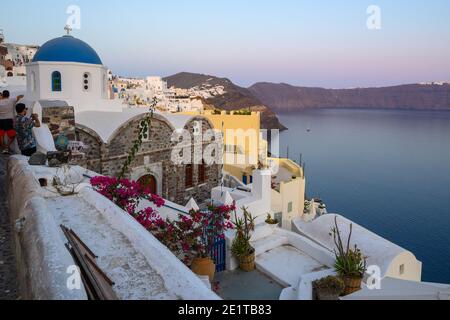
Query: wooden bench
x,y
97,284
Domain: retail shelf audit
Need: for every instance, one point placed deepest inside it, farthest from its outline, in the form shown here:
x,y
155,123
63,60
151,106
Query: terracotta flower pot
x,y
204,267
352,285
273,226
247,263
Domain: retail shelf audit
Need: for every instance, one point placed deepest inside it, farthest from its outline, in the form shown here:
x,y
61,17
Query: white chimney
x,y
262,184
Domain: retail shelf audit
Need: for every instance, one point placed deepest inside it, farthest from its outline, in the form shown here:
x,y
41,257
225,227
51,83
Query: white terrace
x,y
140,265
290,259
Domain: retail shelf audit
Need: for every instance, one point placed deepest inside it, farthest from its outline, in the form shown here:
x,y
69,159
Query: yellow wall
x,y
238,130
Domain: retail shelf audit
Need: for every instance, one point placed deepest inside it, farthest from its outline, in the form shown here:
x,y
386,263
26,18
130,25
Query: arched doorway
x,y
149,182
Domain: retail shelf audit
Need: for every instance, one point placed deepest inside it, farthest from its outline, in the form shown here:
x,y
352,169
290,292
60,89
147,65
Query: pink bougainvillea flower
x,y
192,235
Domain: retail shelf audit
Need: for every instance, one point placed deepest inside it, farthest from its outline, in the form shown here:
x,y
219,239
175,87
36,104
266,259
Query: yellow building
x,y
241,133
245,150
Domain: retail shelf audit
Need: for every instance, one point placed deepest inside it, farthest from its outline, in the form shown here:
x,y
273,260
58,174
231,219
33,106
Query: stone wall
x,y
93,148
60,120
108,158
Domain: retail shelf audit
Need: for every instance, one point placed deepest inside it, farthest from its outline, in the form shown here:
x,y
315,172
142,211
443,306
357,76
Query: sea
x,y
388,171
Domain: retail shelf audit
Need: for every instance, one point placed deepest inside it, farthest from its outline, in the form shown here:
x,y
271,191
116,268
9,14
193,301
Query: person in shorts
x,y
24,129
7,132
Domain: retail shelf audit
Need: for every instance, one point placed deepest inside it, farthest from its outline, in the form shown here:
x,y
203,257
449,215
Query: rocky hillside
x,y
233,97
287,98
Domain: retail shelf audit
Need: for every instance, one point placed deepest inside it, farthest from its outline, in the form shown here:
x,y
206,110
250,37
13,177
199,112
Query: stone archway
x,y
149,182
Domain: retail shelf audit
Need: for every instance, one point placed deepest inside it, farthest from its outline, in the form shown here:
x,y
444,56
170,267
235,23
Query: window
x,y
188,176
290,207
146,138
402,269
197,128
56,81
86,81
33,81
279,216
202,173
230,148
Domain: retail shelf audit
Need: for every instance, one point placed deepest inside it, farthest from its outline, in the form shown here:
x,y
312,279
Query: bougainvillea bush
x,y
190,236
126,194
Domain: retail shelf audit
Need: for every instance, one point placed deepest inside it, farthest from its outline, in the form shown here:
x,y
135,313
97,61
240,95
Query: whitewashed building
x,y
392,260
13,58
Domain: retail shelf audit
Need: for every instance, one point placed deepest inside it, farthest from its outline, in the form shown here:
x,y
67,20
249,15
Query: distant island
x,y
287,98
272,98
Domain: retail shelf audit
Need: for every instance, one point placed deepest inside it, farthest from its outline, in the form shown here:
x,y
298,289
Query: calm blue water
x,y
386,170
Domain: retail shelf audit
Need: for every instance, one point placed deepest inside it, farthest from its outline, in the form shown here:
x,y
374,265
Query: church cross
x,y
68,29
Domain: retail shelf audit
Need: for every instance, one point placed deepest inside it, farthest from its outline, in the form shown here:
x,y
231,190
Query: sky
x,y
323,43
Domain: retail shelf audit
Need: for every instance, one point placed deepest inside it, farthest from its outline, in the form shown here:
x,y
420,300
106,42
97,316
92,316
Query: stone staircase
x,y
268,243
265,239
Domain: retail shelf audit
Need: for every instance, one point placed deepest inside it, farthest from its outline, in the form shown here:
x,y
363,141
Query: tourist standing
x,y
24,129
6,121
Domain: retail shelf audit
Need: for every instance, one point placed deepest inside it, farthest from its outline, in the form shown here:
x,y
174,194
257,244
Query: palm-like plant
x,y
244,227
350,263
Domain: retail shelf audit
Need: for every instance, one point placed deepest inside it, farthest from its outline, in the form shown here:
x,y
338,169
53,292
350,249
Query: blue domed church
x,y
67,68
68,87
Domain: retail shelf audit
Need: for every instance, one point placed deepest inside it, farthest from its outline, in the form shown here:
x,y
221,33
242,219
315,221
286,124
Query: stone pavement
x,y
8,274
241,285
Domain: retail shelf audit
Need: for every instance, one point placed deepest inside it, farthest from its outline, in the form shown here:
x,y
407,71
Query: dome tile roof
x,y
67,49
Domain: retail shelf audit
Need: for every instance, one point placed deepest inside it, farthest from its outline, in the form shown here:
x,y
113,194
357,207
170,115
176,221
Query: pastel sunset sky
x,y
310,43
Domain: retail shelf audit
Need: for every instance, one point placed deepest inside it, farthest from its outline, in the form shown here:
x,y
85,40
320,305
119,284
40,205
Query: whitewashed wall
x,y
39,81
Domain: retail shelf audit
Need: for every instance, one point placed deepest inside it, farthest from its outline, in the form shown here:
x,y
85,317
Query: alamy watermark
x,y
373,282
74,18
74,279
374,19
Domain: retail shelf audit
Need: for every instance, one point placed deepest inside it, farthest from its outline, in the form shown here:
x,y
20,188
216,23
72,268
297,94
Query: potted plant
x,y
241,247
351,264
272,221
329,288
207,227
308,206
204,266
